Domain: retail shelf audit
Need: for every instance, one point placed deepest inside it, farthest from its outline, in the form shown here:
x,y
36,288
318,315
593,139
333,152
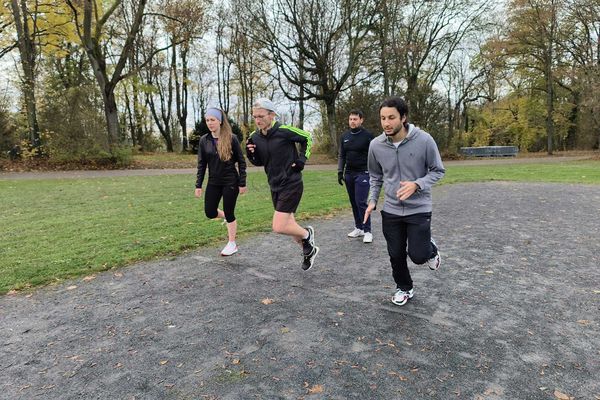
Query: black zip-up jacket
x,y
277,151
354,150
220,172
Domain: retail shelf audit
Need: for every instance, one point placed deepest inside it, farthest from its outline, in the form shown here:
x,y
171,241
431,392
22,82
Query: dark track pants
x,y
357,186
414,231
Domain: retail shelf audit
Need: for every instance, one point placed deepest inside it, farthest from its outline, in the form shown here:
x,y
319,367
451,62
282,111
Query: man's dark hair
x,y
356,111
396,102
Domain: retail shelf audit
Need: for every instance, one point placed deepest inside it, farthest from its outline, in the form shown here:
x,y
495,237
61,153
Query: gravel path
x,y
514,313
192,171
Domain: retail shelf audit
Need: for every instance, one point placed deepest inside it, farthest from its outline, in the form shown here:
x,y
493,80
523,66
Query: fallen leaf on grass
x,y
163,362
72,287
315,389
285,330
267,301
118,274
235,361
89,278
583,322
489,272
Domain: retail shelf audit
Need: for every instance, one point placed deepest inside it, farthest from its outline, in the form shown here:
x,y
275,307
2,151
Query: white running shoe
x,y
368,238
356,233
401,297
435,262
230,249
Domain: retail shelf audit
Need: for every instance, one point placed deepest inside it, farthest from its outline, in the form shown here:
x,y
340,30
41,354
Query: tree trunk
x,y
331,125
571,141
181,95
130,119
112,116
28,58
549,104
137,115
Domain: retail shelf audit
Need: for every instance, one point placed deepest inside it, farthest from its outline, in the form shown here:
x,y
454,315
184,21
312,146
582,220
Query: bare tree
x,y
92,23
464,85
422,39
184,22
317,45
224,64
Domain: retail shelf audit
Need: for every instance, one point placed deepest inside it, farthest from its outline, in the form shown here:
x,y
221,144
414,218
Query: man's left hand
x,y
407,188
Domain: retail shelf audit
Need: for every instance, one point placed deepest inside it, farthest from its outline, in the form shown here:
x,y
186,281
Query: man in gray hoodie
x,y
406,161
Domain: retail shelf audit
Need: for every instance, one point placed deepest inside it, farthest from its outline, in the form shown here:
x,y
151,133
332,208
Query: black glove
x,y
341,178
298,165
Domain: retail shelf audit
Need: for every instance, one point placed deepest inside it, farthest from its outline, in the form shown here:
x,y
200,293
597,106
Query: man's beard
x,y
395,131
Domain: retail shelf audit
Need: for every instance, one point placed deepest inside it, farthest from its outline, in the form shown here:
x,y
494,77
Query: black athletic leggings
x,y
212,197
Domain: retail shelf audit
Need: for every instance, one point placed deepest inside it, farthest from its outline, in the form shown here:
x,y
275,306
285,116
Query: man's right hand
x,y
341,178
368,211
198,192
250,145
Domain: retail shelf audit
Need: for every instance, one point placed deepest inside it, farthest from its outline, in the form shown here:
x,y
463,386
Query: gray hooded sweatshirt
x,y
416,159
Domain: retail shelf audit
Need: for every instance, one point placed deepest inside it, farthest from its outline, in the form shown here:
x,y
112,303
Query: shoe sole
x,y
403,303
312,259
399,304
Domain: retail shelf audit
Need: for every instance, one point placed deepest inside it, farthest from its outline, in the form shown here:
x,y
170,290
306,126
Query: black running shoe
x,y
309,243
310,258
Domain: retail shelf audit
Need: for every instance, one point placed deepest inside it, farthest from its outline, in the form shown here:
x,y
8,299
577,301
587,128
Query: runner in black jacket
x,y
353,171
220,150
273,146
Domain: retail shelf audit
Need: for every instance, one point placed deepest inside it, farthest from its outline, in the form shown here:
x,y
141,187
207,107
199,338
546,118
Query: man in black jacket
x,y
353,171
273,146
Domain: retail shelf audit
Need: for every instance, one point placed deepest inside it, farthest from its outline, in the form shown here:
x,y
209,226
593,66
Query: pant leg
x,y
230,195
212,197
361,194
394,231
420,248
349,180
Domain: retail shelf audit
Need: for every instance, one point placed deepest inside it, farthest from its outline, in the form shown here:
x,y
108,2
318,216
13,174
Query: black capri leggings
x,y
212,197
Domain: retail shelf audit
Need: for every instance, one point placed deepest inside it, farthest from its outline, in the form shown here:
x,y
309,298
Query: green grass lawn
x,y
56,229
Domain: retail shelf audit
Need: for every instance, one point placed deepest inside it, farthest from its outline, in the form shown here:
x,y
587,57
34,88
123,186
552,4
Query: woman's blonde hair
x,y
225,136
